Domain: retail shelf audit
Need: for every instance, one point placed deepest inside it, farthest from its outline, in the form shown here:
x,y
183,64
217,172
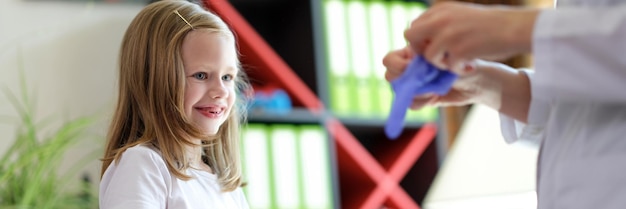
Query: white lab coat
x,y
578,106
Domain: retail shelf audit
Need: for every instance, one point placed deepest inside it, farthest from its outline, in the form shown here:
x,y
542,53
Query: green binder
x,y
360,64
315,168
340,80
285,163
380,46
256,166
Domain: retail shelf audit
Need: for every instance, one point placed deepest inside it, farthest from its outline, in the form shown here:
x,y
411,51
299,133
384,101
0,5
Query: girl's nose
x,y
218,89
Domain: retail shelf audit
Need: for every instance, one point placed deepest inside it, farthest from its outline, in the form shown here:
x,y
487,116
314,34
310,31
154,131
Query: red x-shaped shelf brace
x,y
355,161
357,165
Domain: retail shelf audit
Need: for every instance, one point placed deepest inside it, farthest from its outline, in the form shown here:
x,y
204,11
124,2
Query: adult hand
x,y
476,82
452,33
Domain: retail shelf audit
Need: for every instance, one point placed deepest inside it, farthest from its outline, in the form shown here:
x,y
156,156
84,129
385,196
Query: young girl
x,y
173,140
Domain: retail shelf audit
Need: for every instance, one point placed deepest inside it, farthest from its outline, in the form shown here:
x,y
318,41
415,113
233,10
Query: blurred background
x,y
320,99
58,59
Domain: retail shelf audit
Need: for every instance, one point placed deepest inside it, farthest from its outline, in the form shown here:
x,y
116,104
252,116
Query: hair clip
x,y
181,17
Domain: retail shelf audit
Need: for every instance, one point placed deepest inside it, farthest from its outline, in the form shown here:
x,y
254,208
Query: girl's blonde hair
x,y
151,92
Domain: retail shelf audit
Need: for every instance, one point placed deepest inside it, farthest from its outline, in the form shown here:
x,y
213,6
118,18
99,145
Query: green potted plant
x,y
29,177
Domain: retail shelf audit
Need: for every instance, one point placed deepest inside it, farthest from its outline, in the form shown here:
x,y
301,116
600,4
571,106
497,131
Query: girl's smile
x,y
212,112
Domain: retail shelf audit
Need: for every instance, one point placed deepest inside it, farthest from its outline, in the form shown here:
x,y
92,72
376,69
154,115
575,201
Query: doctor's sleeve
x,y
580,54
532,132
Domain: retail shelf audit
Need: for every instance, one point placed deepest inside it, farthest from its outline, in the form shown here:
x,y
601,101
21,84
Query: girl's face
x,y
210,64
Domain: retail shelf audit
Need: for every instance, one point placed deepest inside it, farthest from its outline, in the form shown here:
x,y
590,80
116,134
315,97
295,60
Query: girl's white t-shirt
x,y
140,179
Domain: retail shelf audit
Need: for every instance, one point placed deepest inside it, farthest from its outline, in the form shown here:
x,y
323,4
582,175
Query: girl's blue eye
x,y
227,77
200,76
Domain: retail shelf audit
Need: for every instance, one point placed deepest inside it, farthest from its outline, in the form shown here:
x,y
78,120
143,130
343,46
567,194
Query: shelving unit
x,y
296,115
281,44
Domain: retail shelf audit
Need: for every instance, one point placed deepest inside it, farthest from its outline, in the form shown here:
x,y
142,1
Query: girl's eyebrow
x,y
233,69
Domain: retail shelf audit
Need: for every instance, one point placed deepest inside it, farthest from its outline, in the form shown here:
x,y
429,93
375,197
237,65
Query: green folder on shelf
x,y
360,65
340,78
285,165
256,166
398,22
316,184
380,46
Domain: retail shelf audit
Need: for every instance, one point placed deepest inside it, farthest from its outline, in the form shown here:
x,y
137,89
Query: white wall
x,y
69,52
482,171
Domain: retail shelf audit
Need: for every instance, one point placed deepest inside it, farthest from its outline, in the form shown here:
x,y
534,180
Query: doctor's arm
x,y
580,54
523,117
495,85
504,89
